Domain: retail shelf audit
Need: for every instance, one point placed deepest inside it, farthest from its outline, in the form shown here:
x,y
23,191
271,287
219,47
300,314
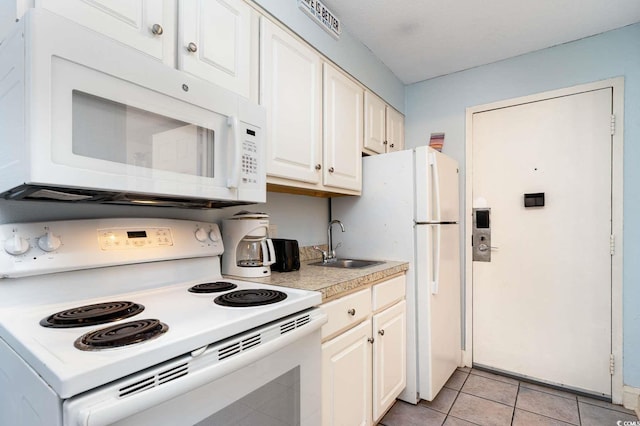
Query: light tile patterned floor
x,y
476,397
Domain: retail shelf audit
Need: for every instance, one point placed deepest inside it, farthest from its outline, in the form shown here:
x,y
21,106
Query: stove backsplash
x,y
295,216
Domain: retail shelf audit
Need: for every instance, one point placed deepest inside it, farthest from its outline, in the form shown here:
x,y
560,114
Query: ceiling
x,y
422,39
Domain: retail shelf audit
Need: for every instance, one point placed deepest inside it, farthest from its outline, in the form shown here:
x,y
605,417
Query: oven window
x,y
277,403
112,131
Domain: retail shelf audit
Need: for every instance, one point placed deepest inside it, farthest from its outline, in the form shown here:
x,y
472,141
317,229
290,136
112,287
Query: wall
x,y
295,216
347,52
438,105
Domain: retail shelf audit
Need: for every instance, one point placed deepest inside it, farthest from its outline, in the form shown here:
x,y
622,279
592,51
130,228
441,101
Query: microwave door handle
x,y
235,153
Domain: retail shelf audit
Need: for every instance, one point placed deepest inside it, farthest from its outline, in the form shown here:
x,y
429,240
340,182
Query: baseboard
x,y
631,399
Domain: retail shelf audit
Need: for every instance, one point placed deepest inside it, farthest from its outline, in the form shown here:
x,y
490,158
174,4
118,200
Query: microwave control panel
x,y
250,157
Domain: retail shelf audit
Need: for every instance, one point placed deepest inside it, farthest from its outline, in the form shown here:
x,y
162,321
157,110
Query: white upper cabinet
x,y
342,129
395,130
291,91
147,25
374,123
214,42
383,126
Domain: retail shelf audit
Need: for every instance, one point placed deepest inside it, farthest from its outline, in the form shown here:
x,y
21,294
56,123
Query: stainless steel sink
x,y
347,263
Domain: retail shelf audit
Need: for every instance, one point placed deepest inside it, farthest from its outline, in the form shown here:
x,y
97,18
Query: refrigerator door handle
x,y
435,186
436,259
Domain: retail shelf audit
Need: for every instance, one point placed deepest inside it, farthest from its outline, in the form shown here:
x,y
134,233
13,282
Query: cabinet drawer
x,y
388,292
346,311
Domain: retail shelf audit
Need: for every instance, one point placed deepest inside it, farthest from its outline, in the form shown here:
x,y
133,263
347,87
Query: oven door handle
x,y
103,406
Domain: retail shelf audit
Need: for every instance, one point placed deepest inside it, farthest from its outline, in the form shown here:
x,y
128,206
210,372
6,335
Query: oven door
x,y
266,377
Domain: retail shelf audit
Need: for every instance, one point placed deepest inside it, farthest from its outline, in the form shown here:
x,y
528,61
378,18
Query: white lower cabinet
x,y
346,378
364,354
389,355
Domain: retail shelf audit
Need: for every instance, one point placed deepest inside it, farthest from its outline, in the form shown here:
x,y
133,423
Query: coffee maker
x,y
248,250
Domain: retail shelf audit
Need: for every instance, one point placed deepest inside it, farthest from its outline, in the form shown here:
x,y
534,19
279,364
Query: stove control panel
x,y
44,247
134,238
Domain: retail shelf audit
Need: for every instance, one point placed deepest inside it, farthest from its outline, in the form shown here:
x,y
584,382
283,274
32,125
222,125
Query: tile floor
x,y
476,397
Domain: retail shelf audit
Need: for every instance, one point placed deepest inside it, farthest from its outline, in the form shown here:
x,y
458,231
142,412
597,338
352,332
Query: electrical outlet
x,y
273,230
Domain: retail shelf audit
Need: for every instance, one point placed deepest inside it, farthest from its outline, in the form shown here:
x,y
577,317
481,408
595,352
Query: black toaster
x,y
287,255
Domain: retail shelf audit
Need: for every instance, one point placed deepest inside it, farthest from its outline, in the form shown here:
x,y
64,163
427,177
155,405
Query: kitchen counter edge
x,y
334,282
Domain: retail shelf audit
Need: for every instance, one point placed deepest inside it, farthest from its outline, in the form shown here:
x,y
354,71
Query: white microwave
x,y
84,118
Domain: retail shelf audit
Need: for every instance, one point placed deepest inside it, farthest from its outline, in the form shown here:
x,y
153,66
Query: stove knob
x,y
49,242
16,246
201,235
213,235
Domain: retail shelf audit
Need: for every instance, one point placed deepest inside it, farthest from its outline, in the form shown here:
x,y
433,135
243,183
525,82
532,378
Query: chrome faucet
x,y
330,254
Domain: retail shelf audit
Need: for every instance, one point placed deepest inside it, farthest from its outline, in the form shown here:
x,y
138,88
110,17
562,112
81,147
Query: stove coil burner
x,y
99,313
253,297
212,287
119,335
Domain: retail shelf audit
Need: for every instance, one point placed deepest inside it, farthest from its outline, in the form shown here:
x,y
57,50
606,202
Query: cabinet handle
x,y
318,166
352,312
385,142
157,29
381,332
392,145
371,340
330,169
192,47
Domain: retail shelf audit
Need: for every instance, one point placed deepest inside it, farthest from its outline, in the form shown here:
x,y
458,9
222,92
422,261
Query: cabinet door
x,y
129,21
389,357
374,123
214,42
395,130
346,378
290,89
342,130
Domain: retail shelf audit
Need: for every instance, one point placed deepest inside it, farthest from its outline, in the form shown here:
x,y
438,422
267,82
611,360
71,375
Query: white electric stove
x,y
161,303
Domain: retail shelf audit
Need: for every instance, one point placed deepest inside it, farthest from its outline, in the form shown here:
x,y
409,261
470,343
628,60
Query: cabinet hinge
x,y
612,364
612,244
613,124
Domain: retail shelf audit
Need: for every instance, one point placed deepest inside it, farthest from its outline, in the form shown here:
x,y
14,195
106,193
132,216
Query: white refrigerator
x,y
409,211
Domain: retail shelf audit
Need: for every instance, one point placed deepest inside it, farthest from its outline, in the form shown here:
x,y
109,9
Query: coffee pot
x,y
249,251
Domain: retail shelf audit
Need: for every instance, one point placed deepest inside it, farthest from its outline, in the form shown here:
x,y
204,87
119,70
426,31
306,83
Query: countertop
x,y
334,282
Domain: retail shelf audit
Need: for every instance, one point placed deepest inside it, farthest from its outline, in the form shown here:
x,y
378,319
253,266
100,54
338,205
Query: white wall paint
x,y
438,105
296,216
348,52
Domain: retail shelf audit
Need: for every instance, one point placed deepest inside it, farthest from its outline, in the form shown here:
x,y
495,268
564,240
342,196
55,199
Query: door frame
x,y
617,84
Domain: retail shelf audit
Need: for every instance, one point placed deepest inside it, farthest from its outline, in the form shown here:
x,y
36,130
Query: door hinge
x,y
612,364
613,124
612,244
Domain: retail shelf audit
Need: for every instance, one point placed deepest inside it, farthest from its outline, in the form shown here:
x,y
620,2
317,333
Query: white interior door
x,y
542,306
